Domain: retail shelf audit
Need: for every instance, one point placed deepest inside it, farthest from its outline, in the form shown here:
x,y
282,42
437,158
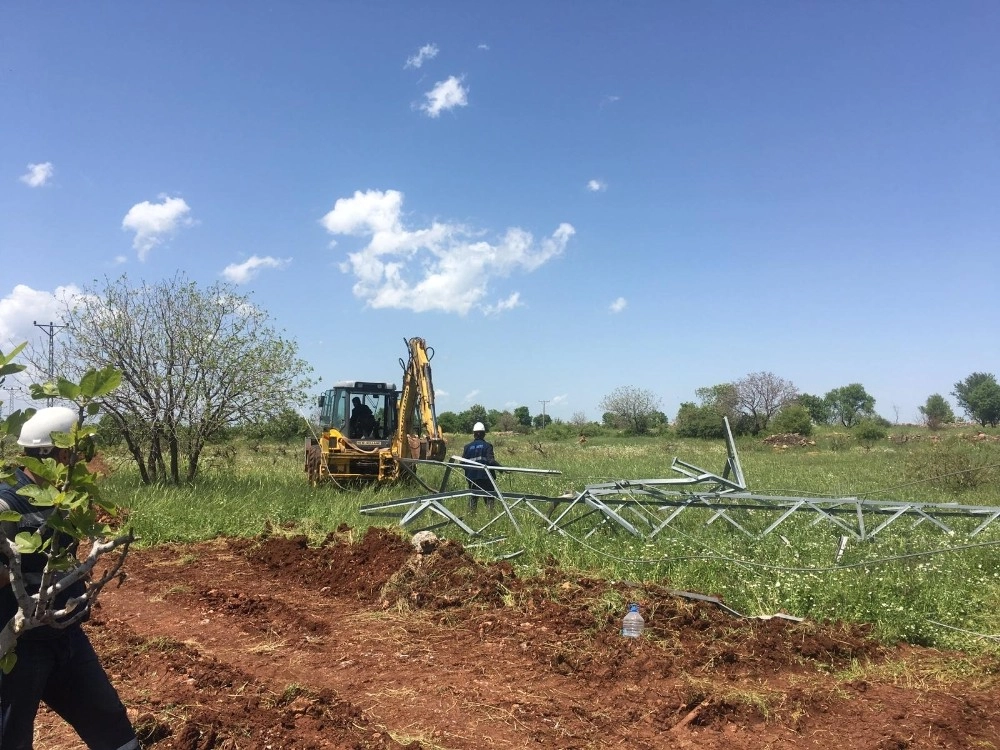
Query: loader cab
x,y
361,411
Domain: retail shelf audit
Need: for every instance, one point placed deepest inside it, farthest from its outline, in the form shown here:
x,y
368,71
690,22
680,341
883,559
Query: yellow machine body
x,y
369,428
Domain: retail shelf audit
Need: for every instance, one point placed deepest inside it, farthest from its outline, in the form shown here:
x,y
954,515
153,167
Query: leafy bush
x,y
818,408
557,431
869,431
109,434
794,418
954,466
698,422
937,412
284,426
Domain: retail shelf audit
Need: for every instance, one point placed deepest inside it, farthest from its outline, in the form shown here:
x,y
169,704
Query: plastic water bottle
x,y
633,623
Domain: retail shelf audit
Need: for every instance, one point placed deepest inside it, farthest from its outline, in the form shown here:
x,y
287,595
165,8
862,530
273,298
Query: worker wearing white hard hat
x,y
55,663
37,431
480,451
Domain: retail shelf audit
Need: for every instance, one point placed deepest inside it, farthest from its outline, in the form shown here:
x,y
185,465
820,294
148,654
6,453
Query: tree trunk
x,y
136,450
192,467
172,443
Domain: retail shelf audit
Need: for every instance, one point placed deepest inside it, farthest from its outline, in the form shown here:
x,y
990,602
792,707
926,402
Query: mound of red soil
x,y
274,643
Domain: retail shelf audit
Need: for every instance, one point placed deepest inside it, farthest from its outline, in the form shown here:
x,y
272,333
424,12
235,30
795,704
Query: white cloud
x,y
438,393
425,53
241,273
483,46
119,259
444,267
371,212
38,174
618,305
503,305
471,395
154,222
597,186
20,309
558,399
609,100
445,95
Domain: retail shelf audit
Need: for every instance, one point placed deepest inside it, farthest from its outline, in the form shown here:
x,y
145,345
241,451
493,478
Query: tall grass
x,y
244,492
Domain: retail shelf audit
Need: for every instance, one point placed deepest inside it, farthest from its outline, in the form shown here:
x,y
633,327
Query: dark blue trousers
x,y
65,673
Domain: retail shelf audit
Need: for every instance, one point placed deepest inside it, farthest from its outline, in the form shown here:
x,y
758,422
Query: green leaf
x,y
45,390
62,563
10,369
108,506
43,497
28,542
16,419
45,469
8,661
58,522
97,383
7,365
93,409
68,389
5,358
65,439
81,478
75,500
9,515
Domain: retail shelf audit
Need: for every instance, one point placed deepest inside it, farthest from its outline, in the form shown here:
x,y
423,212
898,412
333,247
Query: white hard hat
x,y
479,427
37,431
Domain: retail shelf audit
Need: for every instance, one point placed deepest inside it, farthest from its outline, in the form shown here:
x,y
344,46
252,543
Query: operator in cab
x,y
363,422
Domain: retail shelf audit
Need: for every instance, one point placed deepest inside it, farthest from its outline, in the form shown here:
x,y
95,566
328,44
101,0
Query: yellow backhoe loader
x,y
369,429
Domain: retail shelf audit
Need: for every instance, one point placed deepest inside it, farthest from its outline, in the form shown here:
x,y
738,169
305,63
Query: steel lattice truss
x,y
647,508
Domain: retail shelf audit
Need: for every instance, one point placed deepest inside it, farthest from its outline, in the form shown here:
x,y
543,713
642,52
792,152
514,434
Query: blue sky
x,y
562,198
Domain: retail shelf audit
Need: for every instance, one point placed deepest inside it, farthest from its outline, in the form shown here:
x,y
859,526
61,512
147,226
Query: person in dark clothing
x,y
481,452
54,664
363,421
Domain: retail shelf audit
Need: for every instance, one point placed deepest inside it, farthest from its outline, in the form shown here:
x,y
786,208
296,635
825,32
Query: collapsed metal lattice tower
x,y
646,508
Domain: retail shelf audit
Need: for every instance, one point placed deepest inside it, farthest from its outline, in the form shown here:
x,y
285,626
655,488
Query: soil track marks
x,y
272,643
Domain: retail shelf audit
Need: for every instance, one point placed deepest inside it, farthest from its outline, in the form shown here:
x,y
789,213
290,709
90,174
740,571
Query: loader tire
x,y
314,460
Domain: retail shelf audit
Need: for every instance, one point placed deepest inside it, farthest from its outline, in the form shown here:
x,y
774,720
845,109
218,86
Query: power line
x,y
51,331
543,410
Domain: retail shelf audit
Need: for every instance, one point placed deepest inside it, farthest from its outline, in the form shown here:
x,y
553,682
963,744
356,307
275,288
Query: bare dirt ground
x,y
270,643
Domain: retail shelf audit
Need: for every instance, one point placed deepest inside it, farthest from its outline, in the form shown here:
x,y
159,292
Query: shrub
x,y
954,466
839,442
698,422
557,431
937,412
794,418
869,431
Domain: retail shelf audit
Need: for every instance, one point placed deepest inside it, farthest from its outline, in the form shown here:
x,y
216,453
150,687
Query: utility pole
x,y
51,331
543,410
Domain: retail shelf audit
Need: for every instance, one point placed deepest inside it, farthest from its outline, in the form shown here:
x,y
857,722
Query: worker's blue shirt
x,y
482,452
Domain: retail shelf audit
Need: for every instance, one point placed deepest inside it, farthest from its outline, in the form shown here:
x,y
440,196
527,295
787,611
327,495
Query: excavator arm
x,y
418,393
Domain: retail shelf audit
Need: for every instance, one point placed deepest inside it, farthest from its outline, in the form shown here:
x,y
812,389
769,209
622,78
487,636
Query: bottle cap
x,y
633,608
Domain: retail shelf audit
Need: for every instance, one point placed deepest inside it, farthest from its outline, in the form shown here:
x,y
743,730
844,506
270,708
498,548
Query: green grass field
x,y
911,583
